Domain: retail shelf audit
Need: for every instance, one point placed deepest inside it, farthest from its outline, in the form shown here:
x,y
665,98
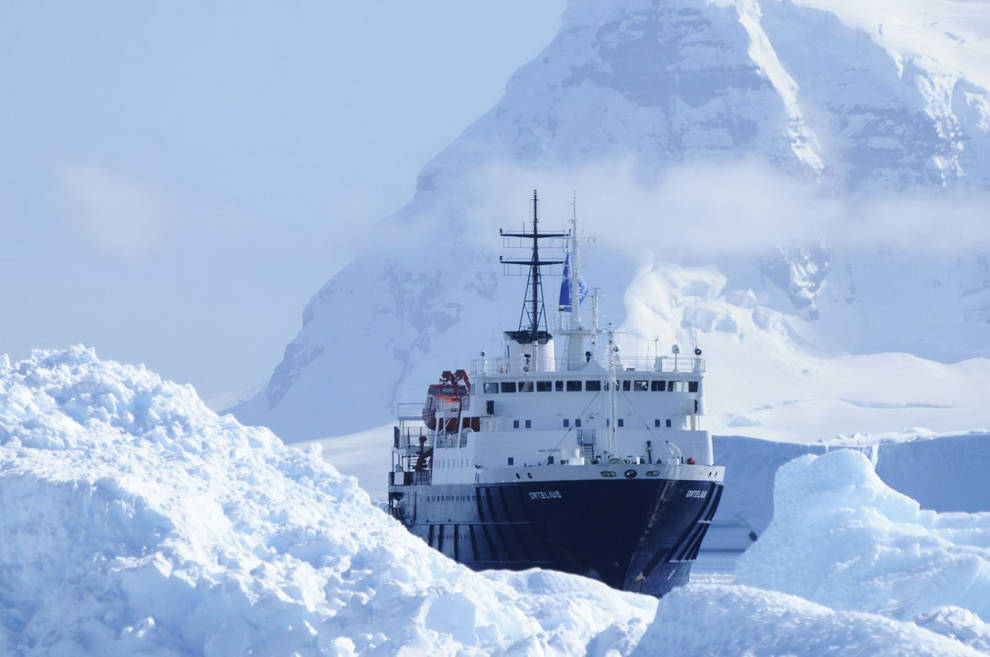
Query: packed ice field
x,y
137,521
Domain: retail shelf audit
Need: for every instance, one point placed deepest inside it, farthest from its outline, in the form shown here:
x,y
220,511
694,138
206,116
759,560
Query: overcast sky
x,y
179,178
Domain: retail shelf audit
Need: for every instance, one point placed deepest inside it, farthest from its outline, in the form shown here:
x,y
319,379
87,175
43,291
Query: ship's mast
x,y
532,319
595,294
576,356
575,269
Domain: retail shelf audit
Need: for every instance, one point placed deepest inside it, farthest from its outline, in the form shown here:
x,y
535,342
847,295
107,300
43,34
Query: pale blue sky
x,y
178,178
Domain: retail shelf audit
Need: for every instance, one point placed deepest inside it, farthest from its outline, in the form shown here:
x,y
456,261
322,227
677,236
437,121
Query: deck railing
x,y
663,364
410,410
410,478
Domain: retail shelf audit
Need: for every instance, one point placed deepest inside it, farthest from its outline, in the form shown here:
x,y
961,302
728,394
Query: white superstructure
x,y
543,405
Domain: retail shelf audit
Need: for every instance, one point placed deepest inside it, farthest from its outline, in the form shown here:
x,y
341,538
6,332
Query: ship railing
x,y
409,411
673,364
490,365
406,437
661,364
410,478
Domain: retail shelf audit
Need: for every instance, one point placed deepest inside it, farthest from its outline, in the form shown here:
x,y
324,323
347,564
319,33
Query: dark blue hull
x,y
638,535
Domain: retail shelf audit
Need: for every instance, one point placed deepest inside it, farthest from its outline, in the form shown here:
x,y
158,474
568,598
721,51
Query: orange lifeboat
x,y
448,397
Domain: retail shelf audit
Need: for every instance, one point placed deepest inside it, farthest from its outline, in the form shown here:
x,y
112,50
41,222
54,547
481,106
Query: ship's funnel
x,y
526,354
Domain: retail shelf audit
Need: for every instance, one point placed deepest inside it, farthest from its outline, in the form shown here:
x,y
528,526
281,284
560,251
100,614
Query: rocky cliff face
x,y
822,93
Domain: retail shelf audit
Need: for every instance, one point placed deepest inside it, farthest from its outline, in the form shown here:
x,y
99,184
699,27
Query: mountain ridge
x,y
701,96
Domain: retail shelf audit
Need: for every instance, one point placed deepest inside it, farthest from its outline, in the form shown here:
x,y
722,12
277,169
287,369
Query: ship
x,y
566,456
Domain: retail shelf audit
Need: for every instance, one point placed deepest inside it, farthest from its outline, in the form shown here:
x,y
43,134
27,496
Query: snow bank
x,y
843,538
706,620
136,521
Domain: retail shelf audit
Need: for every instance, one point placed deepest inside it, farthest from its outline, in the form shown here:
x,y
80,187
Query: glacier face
x,y
824,94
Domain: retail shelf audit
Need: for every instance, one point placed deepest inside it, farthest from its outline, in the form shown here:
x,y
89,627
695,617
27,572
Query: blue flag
x,y
565,288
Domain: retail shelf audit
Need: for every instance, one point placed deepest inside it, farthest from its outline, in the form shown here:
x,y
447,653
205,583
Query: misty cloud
x,y
122,216
743,208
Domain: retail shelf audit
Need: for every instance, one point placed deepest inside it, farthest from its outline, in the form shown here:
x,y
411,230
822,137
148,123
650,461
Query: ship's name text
x,y
700,494
545,495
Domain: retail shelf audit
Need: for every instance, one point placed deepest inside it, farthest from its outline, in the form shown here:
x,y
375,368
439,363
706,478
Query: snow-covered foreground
x,y
716,620
137,521
134,520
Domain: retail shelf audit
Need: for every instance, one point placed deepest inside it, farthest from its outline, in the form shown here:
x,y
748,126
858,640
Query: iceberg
x,y
841,537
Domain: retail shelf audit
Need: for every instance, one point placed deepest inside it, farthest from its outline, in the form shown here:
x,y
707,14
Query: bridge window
x,y
529,424
573,386
543,386
566,422
558,386
657,386
592,386
656,423
508,386
515,424
525,386
692,386
626,384
577,422
491,388
622,422
678,386
668,423
640,386
510,461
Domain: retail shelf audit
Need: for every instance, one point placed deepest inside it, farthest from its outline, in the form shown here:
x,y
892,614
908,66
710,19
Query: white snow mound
x,y
701,620
136,521
841,537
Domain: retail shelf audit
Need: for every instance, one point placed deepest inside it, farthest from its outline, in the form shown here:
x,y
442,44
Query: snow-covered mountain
x,y
797,186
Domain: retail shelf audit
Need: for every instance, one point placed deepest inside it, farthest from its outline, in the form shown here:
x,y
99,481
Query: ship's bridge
x,y
654,394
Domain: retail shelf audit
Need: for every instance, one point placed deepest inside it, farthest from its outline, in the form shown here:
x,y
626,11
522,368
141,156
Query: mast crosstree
x,y
533,318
